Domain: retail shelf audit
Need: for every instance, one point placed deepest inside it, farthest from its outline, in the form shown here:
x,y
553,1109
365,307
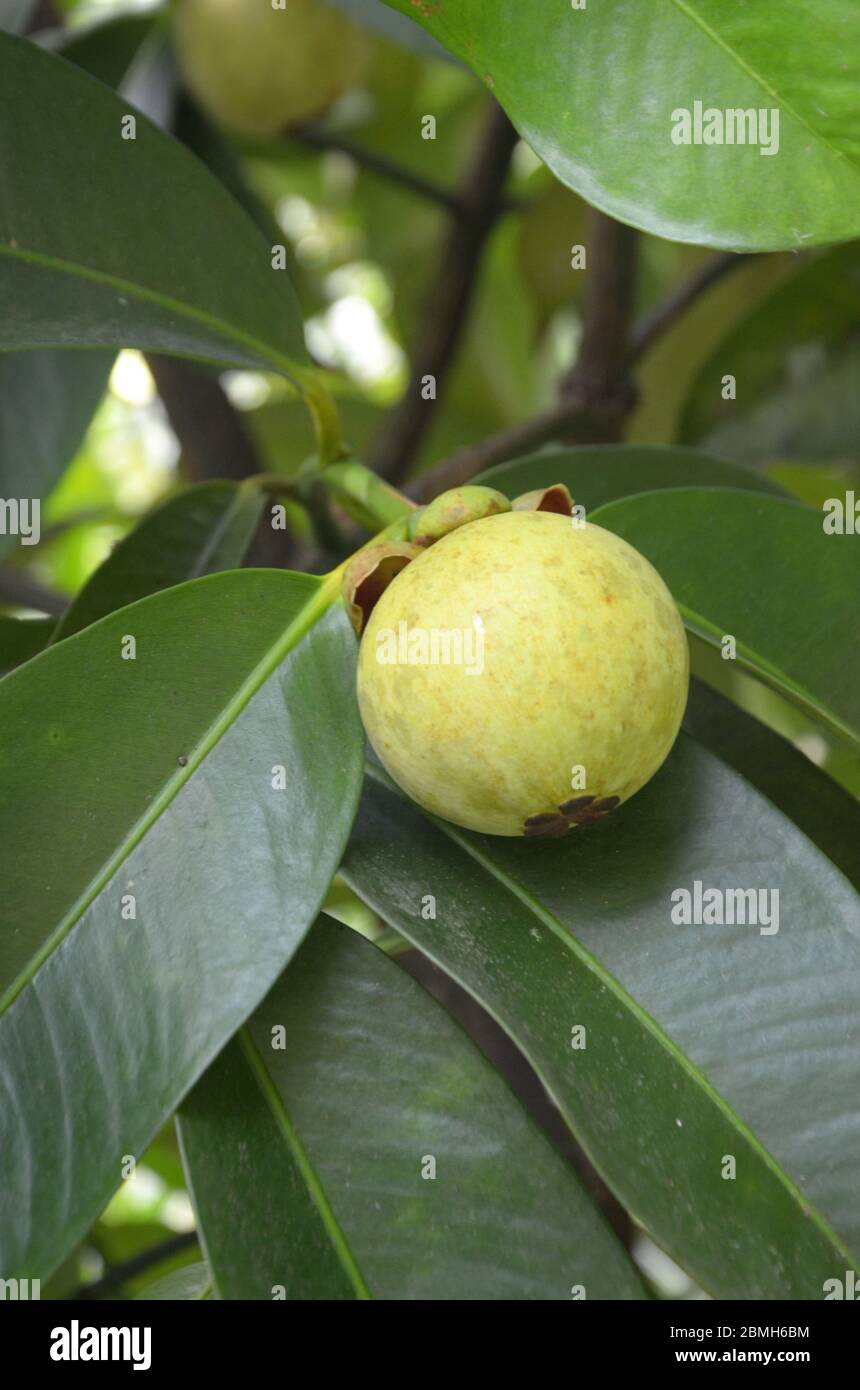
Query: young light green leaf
x,y
605,93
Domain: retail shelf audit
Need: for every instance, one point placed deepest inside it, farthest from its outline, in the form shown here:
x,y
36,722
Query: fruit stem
x,y
329,591
368,498
324,413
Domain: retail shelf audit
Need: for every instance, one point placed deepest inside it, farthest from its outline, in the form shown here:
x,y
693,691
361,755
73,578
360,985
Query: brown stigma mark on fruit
x,y
580,810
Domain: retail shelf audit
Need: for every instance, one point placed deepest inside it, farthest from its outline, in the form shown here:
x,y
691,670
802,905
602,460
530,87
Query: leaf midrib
x,y
640,1015
227,331
316,1190
756,665
314,608
759,79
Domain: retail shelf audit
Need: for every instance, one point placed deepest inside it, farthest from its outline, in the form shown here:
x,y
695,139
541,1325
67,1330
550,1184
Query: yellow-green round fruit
x,y
260,70
582,672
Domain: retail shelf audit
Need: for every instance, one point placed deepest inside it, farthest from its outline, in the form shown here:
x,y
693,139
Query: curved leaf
x,y
203,530
823,810
47,398
784,355
156,877
106,241
379,20
192,1283
604,472
682,1023
308,1161
593,90
763,571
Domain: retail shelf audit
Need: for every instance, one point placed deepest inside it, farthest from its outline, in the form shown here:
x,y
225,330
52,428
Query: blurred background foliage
x,y
363,249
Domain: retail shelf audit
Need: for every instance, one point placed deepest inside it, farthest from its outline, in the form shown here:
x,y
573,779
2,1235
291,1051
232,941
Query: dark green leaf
x,y
108,49
48,398
307,1160
701,1041
763,571
106,241
203,530
811,799
150,784
594,91
605,472
192,1283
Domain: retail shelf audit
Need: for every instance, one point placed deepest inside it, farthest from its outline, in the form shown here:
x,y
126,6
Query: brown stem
x,y
215,443
595,396
597,387
380,164
213,439
480,196
115,1277
575,414
496,448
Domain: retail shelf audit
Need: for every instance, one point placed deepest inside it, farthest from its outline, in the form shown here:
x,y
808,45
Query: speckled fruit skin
x,y
258,70
585,662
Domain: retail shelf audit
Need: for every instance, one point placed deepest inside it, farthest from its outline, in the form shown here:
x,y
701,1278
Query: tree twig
x,y
451,199
598,387
119,1274
215,442
481,194
380,164
595,396
572,413
213,439
495,448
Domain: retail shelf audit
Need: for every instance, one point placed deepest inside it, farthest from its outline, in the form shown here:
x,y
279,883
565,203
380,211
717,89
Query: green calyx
x,y
372,569
453,509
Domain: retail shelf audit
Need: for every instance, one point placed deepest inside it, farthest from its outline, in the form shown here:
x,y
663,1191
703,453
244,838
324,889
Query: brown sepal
x,y
580,810
545,499
369,575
